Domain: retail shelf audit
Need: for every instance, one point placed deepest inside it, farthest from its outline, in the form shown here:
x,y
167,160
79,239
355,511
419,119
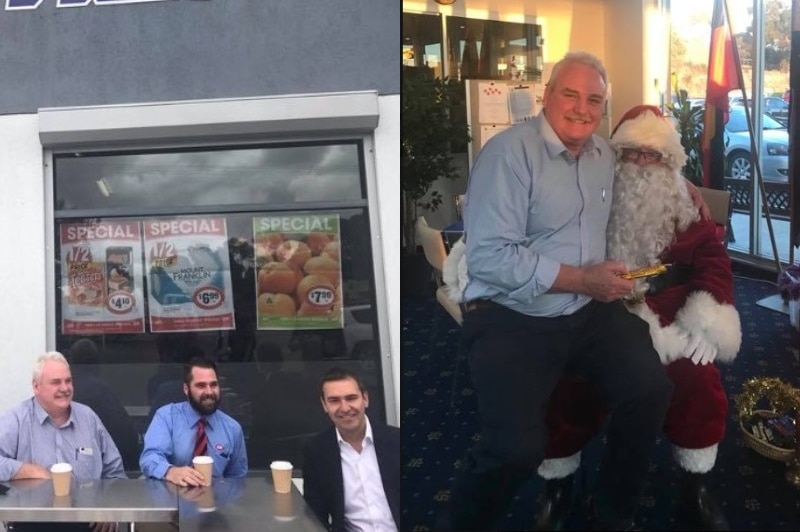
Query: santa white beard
x,y
650,203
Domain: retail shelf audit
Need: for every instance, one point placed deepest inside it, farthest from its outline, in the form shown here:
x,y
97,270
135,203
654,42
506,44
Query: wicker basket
x,y
760,446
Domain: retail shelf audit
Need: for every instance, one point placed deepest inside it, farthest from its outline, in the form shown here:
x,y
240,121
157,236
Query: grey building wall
x,y
195,49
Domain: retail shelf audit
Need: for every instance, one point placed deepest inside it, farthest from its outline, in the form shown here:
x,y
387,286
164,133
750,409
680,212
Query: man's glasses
x,y
632,155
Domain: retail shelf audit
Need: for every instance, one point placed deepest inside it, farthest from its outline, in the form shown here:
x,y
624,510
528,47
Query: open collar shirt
x,y
29,435
169,441
531,206
366,508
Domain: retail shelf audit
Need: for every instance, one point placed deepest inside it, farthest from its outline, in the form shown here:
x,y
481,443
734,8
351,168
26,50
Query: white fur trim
x,y
454,271
670,341
655,132
716,323
551,468
695,460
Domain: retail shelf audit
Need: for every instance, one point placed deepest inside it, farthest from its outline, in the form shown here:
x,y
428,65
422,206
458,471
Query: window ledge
x,y
341,113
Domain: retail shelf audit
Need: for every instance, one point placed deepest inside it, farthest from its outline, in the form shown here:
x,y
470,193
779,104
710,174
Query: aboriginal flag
x,y
724,75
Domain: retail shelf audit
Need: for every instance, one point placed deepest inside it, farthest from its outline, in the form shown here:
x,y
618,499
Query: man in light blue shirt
x,y
172,437
49,428
541,299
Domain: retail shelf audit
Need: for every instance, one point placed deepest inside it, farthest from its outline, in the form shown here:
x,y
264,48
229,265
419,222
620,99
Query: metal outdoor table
x,y
114,499
238,504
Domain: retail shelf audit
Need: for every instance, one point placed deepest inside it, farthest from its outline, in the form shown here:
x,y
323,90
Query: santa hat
x,y
646,126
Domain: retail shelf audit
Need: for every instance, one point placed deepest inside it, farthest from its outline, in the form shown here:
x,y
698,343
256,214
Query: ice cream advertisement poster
x,y
101,272
188,274
299,280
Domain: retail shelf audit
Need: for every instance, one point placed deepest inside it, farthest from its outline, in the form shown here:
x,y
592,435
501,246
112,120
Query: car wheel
x,y
739,165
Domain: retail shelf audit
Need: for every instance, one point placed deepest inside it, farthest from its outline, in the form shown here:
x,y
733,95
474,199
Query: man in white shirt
x,y
351,471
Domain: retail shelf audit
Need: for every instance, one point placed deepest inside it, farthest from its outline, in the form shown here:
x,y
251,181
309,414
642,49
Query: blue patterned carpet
x,y
751,488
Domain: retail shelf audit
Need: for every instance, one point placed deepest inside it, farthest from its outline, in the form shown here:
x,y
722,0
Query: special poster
x,y
101,272
299,281
188,271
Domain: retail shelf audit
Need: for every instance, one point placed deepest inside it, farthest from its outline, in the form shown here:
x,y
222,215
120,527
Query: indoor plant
x,y
429,130
689,117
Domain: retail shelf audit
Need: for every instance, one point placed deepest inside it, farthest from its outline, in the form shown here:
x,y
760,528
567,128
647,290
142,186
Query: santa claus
x,y
689,308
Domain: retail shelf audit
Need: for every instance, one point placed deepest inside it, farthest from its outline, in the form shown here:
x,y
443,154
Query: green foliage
x,y
428,131
690,125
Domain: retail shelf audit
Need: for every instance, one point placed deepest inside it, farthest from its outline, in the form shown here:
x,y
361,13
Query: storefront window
x,y
257,257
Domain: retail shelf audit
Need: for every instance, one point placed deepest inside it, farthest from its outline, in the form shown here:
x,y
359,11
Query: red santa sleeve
x,y
709,310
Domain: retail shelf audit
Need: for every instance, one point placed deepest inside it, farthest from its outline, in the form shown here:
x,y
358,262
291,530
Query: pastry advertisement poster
x,y
101,272
188,274
299,279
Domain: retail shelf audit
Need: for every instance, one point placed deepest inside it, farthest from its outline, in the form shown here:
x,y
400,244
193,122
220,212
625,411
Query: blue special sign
x,y
13,5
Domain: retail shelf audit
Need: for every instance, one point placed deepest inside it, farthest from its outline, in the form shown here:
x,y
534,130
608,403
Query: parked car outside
x,y
775,154
771,105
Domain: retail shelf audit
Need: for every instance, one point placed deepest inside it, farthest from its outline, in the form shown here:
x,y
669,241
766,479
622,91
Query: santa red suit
x,y
690,309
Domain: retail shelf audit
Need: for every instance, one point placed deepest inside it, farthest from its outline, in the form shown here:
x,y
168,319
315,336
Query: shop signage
x,y
12,5
299,280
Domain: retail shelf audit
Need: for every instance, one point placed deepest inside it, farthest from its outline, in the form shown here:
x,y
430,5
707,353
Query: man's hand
x,y
103,527
603,282
185,476
697,199
31,471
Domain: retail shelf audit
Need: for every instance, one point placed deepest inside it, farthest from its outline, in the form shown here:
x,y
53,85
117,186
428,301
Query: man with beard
x,y
181,431
48,428
689,309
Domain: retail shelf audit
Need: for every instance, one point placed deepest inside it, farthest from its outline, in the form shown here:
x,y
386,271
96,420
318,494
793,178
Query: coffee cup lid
x,y
281,464
61,467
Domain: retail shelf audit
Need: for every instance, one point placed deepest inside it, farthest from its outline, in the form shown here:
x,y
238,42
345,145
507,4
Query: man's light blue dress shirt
x,y
532,206
28,435
169,440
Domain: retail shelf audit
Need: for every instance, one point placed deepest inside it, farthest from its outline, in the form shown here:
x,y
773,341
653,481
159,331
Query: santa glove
x,y
700,350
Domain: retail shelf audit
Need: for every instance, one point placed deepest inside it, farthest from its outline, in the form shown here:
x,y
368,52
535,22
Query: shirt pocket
x,y
87,465
222,456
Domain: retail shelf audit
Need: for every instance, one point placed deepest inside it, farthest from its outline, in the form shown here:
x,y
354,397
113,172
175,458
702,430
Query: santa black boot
x,y
555,501
699,504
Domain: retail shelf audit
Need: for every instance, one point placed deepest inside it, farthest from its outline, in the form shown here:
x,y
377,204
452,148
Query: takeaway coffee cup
x,y
282,476
204,464
283,507
62,477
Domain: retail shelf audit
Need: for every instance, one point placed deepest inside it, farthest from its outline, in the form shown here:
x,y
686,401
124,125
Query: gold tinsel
x,y
782,397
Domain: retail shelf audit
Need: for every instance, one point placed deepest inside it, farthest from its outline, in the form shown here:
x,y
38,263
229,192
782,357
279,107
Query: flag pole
x,y
754,146
794,130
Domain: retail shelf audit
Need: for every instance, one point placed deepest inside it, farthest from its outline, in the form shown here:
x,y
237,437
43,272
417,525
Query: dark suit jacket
x,y
323,483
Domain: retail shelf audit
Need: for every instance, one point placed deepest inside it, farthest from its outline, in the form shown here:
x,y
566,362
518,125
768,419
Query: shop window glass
x,y
269,371
268,176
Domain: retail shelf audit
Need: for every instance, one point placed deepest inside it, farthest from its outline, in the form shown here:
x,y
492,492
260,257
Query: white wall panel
x,y
23,270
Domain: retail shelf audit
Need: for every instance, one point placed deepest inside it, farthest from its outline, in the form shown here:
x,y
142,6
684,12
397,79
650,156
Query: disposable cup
x,y
62,478
282,476
204,464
